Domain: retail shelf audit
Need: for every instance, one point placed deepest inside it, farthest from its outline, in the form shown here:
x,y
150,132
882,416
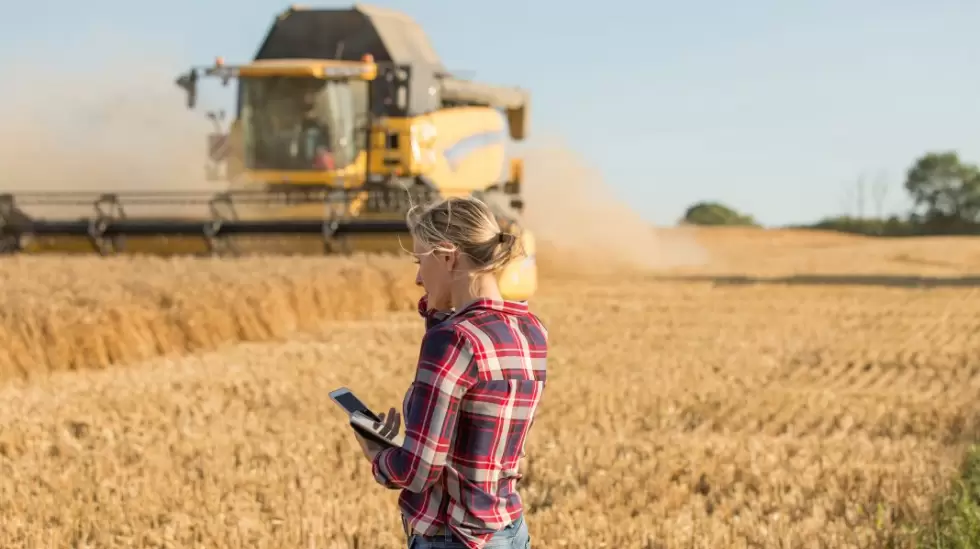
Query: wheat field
x,y
182,403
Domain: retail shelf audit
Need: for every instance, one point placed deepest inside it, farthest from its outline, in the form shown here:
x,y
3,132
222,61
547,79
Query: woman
x,y
479,379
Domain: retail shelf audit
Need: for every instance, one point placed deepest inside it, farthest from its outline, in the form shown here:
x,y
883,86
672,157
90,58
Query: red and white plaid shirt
x,y
466,416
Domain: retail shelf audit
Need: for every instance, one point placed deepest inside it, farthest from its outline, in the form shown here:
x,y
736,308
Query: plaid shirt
x,y
466,416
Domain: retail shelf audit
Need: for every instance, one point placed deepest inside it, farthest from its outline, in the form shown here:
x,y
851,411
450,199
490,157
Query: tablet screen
x,y
351,403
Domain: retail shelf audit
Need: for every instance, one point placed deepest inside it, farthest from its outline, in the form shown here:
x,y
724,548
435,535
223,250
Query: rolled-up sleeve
x,y
446,370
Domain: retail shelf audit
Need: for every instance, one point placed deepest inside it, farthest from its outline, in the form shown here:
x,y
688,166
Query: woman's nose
x,y
418,278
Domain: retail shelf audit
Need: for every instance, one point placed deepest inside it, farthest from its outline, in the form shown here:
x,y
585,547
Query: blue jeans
x,y
513,536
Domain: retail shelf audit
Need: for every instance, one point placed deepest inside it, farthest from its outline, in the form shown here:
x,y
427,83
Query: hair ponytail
x,y
506,248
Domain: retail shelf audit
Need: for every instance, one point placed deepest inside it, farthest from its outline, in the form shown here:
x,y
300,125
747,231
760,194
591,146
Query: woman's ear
x,y
451,259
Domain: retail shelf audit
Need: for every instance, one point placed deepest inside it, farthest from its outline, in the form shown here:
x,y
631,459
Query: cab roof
x,y
349,34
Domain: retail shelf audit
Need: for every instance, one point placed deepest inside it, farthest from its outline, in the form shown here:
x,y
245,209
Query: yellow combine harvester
x,y
344,118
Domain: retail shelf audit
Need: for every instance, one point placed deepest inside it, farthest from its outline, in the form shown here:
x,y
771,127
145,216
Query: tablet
x,y
350,403
362,419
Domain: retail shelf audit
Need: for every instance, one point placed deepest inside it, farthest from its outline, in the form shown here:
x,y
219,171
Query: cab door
x,y
337,112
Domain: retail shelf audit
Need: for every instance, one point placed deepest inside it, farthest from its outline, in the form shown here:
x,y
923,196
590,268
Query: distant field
x,y
762,252
723,405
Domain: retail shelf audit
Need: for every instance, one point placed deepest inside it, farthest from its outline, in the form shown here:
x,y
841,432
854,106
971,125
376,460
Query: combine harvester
x,y
344,119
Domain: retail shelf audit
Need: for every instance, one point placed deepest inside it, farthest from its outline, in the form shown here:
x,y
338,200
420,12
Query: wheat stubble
x,y
678,415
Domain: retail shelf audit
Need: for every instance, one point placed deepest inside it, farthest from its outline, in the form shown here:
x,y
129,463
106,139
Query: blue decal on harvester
x,y
459,150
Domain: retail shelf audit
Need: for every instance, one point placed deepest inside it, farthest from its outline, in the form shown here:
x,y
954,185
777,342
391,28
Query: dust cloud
x,y
582,228
113,123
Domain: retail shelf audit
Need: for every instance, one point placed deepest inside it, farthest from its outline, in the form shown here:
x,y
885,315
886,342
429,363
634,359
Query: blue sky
x,y
774,107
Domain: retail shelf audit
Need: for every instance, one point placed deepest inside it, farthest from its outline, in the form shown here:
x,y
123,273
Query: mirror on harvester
x,y
188,83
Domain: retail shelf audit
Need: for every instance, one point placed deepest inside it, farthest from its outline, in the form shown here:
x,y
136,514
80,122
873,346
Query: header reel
x,y
110,226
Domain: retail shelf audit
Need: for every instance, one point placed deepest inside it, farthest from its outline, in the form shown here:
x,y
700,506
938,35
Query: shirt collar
x,y
497,305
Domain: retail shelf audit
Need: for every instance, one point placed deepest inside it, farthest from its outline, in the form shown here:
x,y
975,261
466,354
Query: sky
x,y
775,108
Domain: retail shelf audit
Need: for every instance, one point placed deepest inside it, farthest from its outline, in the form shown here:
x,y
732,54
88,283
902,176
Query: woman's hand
x,y
388,427
390,423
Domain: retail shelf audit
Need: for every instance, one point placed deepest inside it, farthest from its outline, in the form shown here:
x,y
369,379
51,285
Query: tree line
x,y
945,195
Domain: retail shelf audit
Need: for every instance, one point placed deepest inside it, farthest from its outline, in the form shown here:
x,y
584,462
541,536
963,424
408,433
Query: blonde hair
x,y
468,225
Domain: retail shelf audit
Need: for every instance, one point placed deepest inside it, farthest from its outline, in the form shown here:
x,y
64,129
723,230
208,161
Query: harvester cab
x,y
343,120
301,121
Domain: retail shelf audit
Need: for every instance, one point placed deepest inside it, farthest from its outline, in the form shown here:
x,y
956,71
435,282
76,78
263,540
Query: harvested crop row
x,y
66,314
678,415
